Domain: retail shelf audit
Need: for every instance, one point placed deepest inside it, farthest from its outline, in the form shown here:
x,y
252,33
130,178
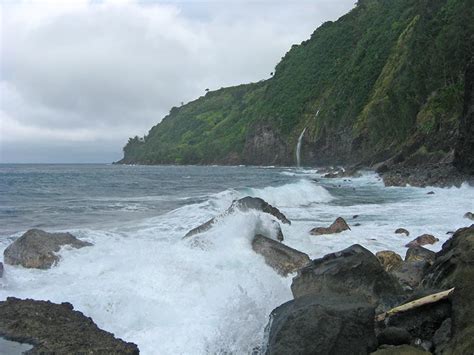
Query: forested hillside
x,y
385,78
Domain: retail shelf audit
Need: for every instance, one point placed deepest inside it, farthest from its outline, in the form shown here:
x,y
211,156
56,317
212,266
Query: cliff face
x,y
464,157
387,78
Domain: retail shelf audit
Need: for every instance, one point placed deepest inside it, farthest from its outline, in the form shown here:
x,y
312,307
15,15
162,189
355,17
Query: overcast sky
x,y
77,78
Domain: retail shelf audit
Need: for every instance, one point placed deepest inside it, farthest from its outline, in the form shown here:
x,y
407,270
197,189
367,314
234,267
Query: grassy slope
x,y
384,73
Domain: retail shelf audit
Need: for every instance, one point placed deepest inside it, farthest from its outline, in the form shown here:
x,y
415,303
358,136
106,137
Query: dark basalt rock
x,y
410,273
321,325
394,336
244,204
454,267
469,215
442,337
354,271
338,226
420,254
282,258
400,350
56,329
402,231
36,248
422,240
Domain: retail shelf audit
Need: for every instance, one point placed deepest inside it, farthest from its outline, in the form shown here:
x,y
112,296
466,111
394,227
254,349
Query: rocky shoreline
x,y
347,302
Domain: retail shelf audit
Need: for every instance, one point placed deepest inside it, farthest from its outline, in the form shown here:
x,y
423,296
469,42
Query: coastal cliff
x,y
388,78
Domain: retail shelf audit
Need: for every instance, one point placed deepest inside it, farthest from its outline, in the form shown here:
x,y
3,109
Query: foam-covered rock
x,y
37,248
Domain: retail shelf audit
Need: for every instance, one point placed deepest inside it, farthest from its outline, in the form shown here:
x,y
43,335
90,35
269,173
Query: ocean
x,y
144,283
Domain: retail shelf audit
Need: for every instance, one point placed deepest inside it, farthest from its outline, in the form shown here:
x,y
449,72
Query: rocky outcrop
x,y
389,259
37,248
464,153
338,226
419,253
454,267
321,325
282,258
352,272
56,329
264,146
244,204
422,240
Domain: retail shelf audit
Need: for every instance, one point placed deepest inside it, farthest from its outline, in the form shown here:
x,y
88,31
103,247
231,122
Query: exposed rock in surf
x,y
394,336
469,215
389,259
279,232
1,269
57,328
422,240
402,231
338,226
282,258
430,193
352,171
244,204
36,248
321,325
354,271
420,254
453,267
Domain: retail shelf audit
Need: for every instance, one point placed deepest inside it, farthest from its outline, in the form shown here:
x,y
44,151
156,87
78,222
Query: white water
x,y
298,148
142,282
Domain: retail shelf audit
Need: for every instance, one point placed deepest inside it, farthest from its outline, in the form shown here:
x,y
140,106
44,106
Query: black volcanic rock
x,y
354,271
321,325
56,329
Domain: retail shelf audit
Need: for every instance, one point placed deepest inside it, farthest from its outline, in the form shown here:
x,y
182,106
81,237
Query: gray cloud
x,y
78,79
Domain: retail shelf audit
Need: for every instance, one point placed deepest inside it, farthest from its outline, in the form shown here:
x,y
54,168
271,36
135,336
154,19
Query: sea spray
x,y
298,148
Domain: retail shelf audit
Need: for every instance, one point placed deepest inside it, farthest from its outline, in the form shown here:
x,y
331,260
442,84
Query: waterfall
x,y
298,148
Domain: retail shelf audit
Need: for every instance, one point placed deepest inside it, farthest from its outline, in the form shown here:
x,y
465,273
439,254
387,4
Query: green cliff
x,y
385,78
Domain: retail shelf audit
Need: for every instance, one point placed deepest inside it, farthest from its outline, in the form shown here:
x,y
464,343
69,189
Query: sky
x,y
78,77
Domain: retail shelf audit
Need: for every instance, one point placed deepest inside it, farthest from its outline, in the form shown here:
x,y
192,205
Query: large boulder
x,y
354,271
37,248
410,273
282,258
57,329
389,259
421,240
244,204
419,253
321,325
454,267
338,226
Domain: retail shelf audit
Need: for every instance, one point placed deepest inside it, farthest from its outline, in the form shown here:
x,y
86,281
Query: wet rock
x,y
442,337
338,226
355,216
422,322
453,267
352,272
420,254
279,232
469,215
402,231
400,350
389,259
394,336
244,204
36,248
57,328
357,225
410,273
318,325
282,258
422,240
1,270
430,193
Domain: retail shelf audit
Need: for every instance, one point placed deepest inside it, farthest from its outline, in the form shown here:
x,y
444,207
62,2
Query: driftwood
x,y
433,298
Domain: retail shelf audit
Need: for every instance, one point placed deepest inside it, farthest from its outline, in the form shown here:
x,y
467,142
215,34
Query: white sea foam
x,y
144,283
